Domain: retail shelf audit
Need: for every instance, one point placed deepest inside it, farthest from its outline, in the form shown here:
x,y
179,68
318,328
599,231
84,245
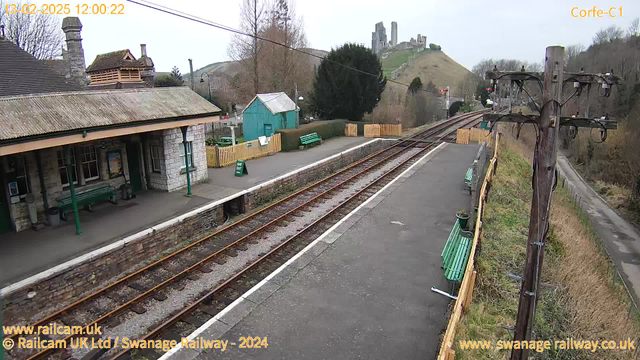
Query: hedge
x,y
326,129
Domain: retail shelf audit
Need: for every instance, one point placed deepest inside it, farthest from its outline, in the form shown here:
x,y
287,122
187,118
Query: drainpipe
x,y
42,185
72,190
186,157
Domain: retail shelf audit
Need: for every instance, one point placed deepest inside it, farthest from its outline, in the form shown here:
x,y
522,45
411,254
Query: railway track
x,y
125,297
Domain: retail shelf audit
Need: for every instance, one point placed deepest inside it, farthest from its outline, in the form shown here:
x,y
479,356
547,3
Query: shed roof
x,y
21,73
114,60
33,115
276,102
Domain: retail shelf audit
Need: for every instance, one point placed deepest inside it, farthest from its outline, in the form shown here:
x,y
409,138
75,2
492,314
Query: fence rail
x,y
225,156
468,281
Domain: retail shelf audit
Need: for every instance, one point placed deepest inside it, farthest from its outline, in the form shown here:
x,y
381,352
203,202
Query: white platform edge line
x,y
257,286
122,243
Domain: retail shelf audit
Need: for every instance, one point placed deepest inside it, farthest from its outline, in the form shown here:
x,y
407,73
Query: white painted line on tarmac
x,y
122,243
257,286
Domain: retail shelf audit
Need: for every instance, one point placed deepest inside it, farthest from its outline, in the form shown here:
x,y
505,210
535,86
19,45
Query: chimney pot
x,y
143,50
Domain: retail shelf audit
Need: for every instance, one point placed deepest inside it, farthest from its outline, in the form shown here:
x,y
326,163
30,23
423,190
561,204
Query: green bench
x,y
468,178
225,141
87,197
310,139
455,254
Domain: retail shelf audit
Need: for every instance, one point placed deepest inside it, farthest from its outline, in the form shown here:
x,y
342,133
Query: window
x,y
189,155
156,157
64,178
90,163
19,165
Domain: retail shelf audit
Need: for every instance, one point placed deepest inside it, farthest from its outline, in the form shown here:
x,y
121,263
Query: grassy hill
x,y
429,65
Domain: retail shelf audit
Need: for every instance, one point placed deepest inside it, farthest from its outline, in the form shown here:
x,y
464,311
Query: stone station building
x,y
131,140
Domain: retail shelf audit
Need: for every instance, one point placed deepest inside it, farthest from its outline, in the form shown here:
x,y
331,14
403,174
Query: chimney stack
x,y
149,71
72,27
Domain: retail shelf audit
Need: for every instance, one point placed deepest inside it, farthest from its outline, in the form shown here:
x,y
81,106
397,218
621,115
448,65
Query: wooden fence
x,y
377,130
468,281
351,130
465,136
462,136
225,156
372,130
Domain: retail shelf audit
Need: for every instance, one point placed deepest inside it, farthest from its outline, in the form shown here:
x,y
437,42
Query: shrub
x,y
326,129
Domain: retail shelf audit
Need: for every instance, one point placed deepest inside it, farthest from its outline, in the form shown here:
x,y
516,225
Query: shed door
x,y
5,216
268,130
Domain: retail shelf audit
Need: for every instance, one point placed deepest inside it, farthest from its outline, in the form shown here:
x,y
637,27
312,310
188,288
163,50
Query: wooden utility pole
x,y
543,183
544,177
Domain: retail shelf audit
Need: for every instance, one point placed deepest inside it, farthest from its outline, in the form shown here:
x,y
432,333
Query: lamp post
x,y
208,84
298,97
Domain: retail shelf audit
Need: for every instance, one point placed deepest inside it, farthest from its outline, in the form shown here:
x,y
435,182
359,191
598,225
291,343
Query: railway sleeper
x,y
138,308
157,295
192,320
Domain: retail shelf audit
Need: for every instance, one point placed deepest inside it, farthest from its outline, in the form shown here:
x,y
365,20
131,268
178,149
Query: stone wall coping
x,y
8,290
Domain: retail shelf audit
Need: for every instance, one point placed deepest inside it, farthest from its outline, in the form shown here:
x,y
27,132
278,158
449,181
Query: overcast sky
x,y
468,31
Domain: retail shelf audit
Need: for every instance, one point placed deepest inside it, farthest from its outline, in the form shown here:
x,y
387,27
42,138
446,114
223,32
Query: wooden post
x,y
467,299
543,181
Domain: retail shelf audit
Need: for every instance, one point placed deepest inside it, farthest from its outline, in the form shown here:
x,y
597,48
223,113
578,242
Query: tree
x,y
282,69
415,86
175,73
610,34
340,92
167,81
431,87
436,47
633,28
38,34
247,50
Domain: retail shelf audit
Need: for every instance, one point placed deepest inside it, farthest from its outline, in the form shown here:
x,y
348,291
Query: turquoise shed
x,y
268,113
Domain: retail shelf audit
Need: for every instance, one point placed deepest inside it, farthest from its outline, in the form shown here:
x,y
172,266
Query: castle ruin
x,y
379,41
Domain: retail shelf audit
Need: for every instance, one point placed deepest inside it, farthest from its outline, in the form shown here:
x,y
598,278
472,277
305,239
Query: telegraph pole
x,y
193,86
544,161
543,184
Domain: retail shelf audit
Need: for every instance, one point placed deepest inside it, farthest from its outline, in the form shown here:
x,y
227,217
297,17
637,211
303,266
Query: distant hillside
x,y
429,65
230,68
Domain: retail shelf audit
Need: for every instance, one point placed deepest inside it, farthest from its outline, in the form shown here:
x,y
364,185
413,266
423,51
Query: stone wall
x,y
173,146
65,286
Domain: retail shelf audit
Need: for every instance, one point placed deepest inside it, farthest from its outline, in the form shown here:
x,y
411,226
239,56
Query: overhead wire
x,y
174,12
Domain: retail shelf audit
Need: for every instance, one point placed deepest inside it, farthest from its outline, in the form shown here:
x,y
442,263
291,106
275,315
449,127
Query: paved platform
x,y
362,290
28,252
621,238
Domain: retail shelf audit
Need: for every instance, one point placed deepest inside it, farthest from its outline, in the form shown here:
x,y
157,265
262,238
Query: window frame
x,y
93,159
189,153
60,156
156,158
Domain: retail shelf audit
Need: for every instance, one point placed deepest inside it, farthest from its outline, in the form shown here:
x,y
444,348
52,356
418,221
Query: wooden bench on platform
x,y
310,139
456,253
87,198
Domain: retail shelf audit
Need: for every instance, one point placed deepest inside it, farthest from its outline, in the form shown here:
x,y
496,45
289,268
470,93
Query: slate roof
x,y
33,115
113,60
23,74
276,102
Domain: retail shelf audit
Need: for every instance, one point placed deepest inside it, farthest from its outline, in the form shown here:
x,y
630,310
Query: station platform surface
x,y
363,289
29,252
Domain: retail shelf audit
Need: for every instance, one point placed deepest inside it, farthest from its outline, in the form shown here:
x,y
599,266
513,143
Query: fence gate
x,y
351,130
